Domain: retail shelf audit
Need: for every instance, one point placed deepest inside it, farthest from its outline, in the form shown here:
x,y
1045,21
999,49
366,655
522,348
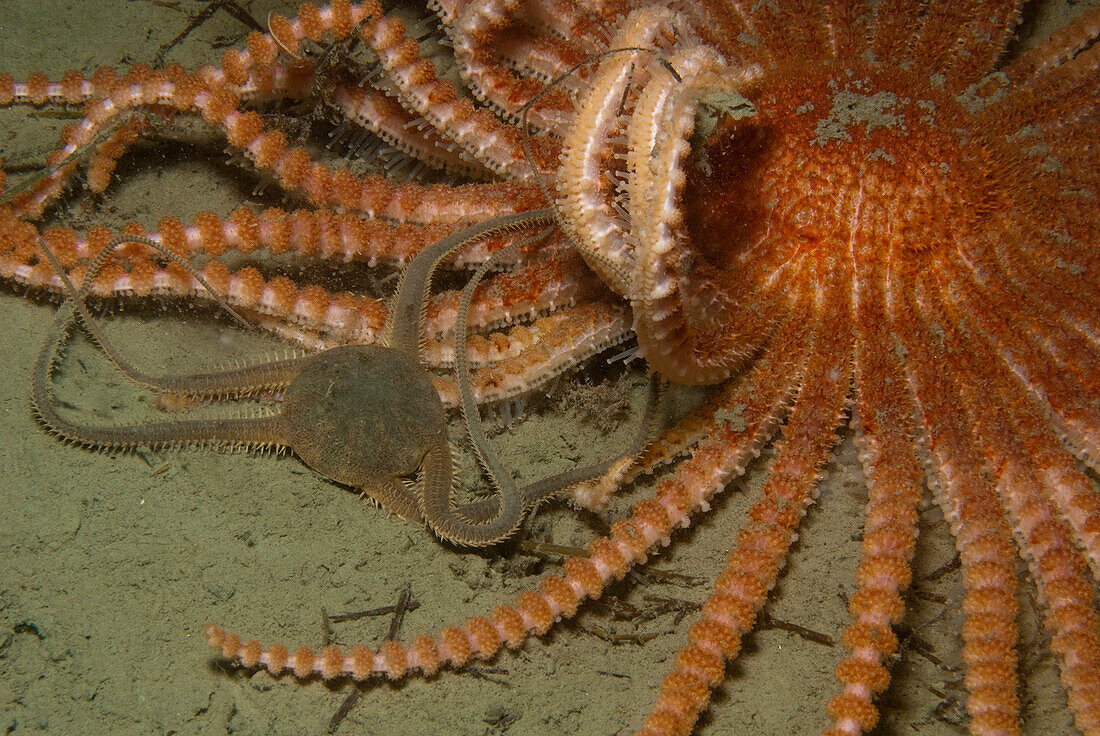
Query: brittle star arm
x,y
259,431
499,475
474,524
491,520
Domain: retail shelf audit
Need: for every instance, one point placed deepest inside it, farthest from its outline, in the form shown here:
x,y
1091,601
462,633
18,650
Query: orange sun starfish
x,y
867,240
882,218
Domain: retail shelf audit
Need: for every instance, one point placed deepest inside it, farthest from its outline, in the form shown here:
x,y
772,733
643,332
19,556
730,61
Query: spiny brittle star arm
x,y
480,523
258,431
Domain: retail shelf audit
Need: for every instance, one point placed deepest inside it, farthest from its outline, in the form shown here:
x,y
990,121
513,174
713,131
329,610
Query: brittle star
x,y
365,416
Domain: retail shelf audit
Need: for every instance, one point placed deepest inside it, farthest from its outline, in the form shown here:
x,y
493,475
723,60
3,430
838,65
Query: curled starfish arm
x,y
675,298
595,220
140,90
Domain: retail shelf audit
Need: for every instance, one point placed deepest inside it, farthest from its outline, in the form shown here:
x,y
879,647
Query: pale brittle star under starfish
x,y
366,416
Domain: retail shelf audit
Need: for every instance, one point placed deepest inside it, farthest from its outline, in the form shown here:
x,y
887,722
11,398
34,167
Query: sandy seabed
x,y
111,564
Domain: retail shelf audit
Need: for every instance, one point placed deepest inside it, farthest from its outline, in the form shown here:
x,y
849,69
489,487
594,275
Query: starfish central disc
x,y
777,197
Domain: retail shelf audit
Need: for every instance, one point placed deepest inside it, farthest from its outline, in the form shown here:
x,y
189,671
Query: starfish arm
x,y
291,166
1046,542
1062,46
101,164
1021,375
894,24
982,38
547,40
806,38
1064,276
677,441
435,99
539,286
1071,405
477,29
112,98
1076,145
557,343
308,234
763,544
72,89
1066,92
846,28
962,40
383,115
987,552
1059,323
885,439
546,57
